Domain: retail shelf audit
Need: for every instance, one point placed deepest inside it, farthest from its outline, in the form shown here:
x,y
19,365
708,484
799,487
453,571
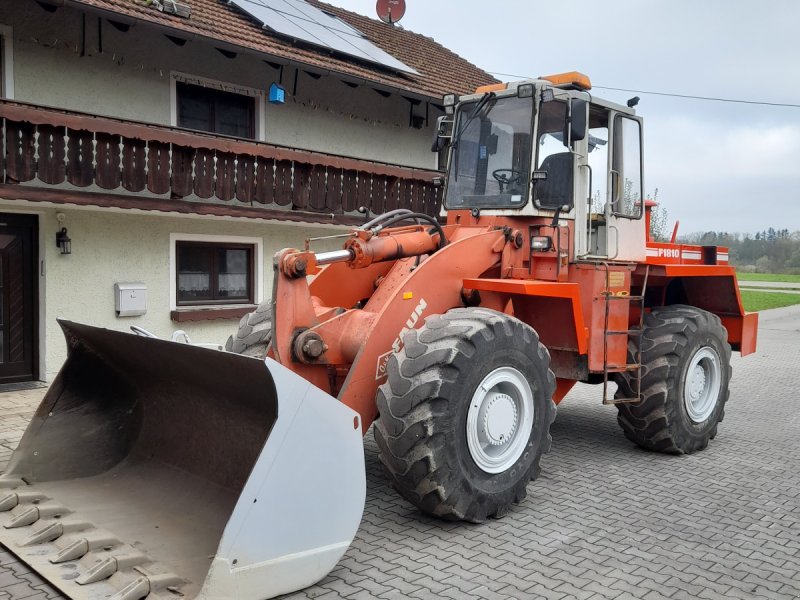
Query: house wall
x,y
125,246
130,75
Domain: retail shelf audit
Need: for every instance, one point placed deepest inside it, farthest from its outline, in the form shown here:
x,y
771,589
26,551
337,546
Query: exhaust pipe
x,y
160,470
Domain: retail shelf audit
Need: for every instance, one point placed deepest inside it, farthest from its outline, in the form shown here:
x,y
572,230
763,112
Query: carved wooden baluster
x,y
316,198
226,174
301,185
80,157
417,199
349,191
107,159
52,153
204,173
333,199
181,184
265,181
392,193
283,182
378,194
245,178
134,164
20,152
364,190
404,194
158,177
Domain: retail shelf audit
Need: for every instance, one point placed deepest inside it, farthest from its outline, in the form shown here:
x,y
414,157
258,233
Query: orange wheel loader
x,y
158,470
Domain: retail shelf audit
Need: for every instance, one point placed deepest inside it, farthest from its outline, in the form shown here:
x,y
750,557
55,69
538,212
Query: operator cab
x,y
546,148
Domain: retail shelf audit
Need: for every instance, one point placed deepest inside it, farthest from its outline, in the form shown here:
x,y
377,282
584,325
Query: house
x,y
157,154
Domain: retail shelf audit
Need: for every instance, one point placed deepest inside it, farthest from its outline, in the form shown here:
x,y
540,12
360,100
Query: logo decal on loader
x,y
412,321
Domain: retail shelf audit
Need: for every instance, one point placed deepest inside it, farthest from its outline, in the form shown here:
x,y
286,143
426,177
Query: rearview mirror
x,y
443,133
575,124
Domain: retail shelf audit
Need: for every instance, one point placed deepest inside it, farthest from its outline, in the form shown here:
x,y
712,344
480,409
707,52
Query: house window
x,y
211,273
6,62
215,111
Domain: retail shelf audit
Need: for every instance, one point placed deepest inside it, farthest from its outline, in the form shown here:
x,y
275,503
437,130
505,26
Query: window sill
x,y
210,313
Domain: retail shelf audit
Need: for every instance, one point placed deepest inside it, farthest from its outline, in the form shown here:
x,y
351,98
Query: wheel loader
x,y
158,470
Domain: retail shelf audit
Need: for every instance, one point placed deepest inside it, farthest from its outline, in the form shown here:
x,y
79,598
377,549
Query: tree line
x,y
773,250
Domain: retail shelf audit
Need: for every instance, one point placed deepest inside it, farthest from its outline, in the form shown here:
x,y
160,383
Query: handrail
x,y
55,146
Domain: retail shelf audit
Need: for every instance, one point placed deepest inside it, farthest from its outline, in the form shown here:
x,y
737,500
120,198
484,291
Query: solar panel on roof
x,y
299,20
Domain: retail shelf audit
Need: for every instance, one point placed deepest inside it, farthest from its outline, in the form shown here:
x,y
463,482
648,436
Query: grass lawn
x,y
755,301
768,277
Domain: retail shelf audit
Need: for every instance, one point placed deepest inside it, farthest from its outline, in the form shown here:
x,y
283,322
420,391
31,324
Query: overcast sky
x,y
717,165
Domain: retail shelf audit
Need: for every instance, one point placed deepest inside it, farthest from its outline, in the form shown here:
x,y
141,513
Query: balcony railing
x,y
45,147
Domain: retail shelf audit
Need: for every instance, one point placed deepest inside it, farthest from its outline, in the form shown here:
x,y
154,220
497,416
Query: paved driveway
x,y
605,519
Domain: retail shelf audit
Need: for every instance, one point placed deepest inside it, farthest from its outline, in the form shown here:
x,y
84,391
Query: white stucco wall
x,y
124,246
131,78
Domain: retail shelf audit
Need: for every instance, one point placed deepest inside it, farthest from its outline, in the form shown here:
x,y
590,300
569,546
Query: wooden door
x,y
18,298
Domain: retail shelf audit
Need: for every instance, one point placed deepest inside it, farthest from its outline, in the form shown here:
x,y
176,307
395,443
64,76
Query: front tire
x,y
685,375
254,334
465,414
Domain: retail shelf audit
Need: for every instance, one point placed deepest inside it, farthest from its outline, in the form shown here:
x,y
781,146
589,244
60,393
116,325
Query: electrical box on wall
x,y
130,299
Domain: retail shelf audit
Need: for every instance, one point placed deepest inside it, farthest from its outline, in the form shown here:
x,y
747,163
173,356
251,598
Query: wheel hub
x,y
499,419
702,386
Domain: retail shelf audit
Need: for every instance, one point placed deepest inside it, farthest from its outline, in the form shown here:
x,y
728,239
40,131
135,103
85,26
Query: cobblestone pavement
x,y
604,520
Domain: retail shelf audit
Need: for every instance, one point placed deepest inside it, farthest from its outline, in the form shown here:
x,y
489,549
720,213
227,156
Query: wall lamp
x,y
63,241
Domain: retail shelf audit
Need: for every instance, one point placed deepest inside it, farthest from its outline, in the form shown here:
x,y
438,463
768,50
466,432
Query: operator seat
x,y
557,189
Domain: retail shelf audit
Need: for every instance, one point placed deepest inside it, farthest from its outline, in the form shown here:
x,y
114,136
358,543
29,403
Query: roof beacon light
x,y
495,87
573,79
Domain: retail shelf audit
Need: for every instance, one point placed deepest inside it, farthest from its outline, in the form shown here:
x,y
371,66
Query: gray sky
x,y
717,165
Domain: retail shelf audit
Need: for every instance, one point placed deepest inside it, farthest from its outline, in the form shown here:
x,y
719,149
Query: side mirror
x,y
443,133
576,122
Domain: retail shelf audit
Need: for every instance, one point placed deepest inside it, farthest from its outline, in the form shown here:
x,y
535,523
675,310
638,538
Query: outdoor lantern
x,y
63,241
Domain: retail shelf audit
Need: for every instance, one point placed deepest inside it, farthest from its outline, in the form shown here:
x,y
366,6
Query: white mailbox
x,y
130,299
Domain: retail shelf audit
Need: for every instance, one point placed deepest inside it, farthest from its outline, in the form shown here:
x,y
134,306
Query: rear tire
x,y
685,375
465,414
254,334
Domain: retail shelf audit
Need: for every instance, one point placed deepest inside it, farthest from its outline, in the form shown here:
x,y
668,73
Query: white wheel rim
x,y
702,384
499,420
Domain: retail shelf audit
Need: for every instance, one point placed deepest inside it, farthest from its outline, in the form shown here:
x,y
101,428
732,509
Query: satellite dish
x,y
391,11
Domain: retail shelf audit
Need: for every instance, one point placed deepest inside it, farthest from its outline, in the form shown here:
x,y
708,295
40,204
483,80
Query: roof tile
x,y
440,70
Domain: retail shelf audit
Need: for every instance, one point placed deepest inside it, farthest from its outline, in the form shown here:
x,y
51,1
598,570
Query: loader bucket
x,y
160,470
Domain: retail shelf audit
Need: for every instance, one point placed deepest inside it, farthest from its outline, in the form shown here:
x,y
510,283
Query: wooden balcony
x,y
57,156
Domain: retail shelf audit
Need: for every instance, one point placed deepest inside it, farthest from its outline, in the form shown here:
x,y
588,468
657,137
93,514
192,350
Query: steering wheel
x,y
511,177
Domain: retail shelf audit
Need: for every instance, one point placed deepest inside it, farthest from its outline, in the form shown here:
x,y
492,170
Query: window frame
x,y
256,270
258,130
7,66
617,120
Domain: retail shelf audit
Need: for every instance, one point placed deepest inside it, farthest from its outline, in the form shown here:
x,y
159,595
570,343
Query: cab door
x,y
612,227
626,236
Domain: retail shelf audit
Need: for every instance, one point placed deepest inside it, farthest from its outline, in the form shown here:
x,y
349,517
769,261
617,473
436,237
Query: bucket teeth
x,y
8,502
11,483
24,517
27,514
14,499
100,571
135,590
73,551
106,567
48,533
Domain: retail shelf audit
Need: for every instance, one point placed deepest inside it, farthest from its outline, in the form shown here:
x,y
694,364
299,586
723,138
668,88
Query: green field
x,y
768,277
755,300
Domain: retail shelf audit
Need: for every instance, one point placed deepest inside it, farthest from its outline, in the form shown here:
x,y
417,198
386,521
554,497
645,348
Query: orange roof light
x,y
495,87
573,78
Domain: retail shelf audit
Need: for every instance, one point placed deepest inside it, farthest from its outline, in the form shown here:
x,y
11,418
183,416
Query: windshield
x,y
490,164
